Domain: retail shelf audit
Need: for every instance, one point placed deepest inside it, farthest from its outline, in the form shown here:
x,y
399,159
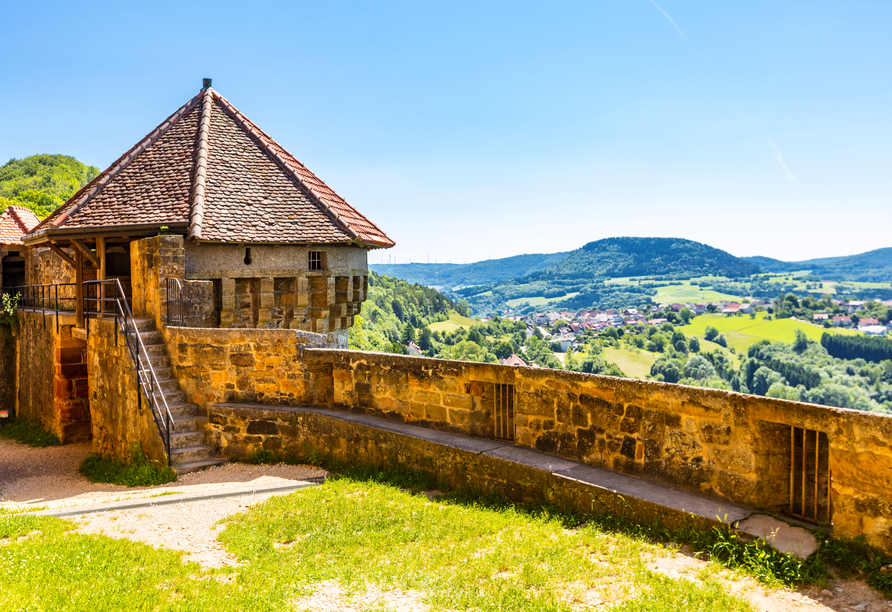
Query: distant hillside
x,y
776,265
873,266
450,276
42,182
619,257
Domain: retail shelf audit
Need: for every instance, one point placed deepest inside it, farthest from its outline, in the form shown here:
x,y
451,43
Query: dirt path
x,y
48,477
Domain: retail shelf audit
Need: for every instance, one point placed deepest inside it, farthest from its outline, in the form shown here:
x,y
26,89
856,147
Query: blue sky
x,y
470,130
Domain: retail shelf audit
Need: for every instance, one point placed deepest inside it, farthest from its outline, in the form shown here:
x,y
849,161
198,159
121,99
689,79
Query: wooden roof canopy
x,y
211,174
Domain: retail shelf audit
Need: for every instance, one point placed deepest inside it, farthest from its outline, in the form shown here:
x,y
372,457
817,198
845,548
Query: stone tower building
x,y
264,241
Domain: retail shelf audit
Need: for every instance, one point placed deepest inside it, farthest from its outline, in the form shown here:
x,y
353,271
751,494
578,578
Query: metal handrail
x,y
46,299
145,373
176,311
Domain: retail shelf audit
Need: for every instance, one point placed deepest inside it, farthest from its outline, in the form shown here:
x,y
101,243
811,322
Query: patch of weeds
x,y
21,510
28,432
138,471
855,558
310,456
166,493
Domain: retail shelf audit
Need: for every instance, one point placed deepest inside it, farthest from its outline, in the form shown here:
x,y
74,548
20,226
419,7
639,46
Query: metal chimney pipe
x,y
206,83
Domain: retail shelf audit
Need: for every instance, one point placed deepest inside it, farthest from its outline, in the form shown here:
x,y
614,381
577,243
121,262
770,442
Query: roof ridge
x,y
15,215
196,208
261,138
88,191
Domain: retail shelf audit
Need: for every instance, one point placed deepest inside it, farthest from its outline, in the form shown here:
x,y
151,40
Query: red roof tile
x,y
15,222
209,166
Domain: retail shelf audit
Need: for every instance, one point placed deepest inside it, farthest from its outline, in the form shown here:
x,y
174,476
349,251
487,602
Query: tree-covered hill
x,y
626,256
449,276
872,266
42,182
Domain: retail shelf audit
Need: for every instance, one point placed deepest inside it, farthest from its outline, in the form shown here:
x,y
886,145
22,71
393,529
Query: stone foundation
x,y
51,372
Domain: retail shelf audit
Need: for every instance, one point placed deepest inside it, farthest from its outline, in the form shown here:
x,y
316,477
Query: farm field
x,y
742,332
634,363
539,300
686,292
455,321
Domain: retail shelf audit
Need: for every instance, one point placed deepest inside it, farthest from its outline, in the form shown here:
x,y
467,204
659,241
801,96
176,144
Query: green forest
x,y
42,183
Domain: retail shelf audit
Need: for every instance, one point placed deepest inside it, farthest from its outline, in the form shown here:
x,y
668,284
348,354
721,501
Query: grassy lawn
x,y
742,332
633,362
539,300
455,321
371,537
363,537
670,294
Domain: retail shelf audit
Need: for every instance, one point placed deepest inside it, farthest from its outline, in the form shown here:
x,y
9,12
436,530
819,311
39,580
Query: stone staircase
x,y
188,451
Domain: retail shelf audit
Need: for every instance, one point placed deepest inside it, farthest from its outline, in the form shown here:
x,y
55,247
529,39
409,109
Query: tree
x,y
668,370
503,350
398,310
694,345
801,341
710,333
686,315
699,368
425,342
408,334
721,341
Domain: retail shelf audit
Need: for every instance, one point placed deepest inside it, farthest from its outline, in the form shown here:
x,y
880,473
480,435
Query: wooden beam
x,y
87,252
79,288
65,257
100,254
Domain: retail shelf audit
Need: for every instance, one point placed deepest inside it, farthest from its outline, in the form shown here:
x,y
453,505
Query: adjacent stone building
x,y
267,243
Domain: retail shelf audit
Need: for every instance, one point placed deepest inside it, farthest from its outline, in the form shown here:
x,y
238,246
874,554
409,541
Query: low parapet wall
x,y
747,449
813,462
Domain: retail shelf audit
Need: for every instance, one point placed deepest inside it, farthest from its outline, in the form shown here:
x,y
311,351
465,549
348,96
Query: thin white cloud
x,y
791,178
672,21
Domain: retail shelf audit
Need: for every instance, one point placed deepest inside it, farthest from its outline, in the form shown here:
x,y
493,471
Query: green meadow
x,y
741,332
454,322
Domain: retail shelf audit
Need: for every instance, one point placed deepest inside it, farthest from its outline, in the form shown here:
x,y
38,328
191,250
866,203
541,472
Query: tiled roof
x,y
15,222
210,167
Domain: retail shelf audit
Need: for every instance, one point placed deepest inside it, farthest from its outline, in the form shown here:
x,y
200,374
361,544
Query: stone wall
x,y
151,261
52,375
44,267
262,366
275,291
120,417
722,444
7,369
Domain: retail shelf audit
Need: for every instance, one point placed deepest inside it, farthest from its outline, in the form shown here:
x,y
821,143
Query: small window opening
x,y
315,260
248,256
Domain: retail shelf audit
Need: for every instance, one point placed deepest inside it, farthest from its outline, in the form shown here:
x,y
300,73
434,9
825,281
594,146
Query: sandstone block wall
x,y
7,369
722,444
52,376
275,291
263,366
119,417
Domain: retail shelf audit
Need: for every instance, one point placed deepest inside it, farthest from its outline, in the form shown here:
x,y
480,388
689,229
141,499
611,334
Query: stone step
x,y
186,454
153,337
176,402
194,466
168,384
185,423
144,325
156,350
185,439
159,362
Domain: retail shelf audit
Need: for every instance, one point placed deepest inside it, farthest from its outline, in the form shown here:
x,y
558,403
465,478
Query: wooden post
x,y
79,287
100,275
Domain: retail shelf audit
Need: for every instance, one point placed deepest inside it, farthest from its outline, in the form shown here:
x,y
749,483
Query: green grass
x,y
28,432
138,471
634,363
454,322
369,528
741,332
539,300
671,294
